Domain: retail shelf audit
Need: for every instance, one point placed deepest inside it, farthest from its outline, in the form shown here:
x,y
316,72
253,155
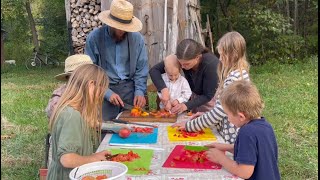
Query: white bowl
x,y
114,170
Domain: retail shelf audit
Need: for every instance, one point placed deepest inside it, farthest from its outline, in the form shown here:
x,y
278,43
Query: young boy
x,y
255,149
179,89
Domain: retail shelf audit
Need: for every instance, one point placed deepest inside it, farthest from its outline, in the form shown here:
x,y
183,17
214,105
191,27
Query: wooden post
x,y
174,31
165,30
69,28
210,33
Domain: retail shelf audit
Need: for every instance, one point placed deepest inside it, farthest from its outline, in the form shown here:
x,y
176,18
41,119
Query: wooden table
x,y
159,157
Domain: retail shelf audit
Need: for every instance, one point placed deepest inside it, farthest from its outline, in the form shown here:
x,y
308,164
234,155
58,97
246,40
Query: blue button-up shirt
x,y
118,59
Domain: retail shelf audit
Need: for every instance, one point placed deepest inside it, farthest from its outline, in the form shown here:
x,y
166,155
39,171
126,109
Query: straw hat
x,y
120,16
71,63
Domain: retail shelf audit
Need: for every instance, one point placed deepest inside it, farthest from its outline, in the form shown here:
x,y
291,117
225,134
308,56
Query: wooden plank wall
x,y
151,14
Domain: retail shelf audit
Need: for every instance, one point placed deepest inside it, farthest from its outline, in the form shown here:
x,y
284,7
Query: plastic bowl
x,y
113,170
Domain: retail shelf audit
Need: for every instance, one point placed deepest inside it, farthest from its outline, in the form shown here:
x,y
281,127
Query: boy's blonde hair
x,y
171,62
77,96
232,46
242,96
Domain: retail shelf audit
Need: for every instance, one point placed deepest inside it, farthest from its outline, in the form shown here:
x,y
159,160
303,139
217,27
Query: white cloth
x,y
179,90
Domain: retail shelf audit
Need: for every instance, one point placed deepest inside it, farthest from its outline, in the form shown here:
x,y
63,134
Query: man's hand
x,y
179,108
139,101
116,100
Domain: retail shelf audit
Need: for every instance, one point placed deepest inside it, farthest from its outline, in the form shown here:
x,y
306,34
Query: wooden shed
x,y
2,46
165,23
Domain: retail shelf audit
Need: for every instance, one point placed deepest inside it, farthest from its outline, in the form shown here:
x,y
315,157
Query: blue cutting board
x,y
136,138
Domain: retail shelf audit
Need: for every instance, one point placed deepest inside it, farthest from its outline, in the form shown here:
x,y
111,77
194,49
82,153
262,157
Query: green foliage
x,y
50,23
266,28
269,37
17,44
53,29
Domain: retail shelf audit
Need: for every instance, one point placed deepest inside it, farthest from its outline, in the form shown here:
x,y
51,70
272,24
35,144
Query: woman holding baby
x,y
199,66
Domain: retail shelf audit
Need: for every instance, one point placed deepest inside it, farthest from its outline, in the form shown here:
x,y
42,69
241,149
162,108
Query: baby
x,y
178,86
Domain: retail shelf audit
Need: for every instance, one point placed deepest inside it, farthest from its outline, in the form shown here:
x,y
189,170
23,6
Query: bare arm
x,y
242,170
222,147
72,160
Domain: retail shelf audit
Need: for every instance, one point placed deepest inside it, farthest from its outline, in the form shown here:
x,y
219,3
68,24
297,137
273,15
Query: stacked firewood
x,y
83,19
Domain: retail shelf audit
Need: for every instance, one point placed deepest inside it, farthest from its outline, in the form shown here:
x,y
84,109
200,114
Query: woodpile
x,y
83,19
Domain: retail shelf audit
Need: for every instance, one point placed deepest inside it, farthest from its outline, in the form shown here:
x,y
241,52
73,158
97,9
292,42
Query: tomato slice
x,y
191,156
130,156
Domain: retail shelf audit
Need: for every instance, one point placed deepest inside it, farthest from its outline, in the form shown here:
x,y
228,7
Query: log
x,y
83,19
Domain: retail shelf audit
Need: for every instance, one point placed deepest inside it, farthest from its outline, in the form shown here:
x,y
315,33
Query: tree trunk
x,y
224,8
288,9
218,20
32,26
296,23
305,20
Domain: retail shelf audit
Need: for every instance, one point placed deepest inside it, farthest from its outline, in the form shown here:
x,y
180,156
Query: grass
x,y
290,93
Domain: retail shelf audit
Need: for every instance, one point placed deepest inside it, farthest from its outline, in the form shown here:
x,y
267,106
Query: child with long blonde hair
x,y
233,66
75,124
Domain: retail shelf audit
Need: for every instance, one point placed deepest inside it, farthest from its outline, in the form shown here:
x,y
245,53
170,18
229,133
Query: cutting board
x,y
207,136
125,115
178,151
143,162
136,138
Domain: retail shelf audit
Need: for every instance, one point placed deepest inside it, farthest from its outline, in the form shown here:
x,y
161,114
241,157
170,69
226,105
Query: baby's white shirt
x,y
180,89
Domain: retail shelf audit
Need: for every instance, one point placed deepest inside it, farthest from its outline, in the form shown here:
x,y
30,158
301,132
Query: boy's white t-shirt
x,y
180,89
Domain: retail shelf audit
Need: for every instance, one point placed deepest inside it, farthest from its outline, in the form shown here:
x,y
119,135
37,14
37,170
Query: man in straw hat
x,y
119,48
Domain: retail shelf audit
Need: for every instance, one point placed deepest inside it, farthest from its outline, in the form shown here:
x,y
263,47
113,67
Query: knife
x,y
126,122
109,157
129,107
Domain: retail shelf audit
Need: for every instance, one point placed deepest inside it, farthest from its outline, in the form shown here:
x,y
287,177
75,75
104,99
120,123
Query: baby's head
x,y
172,67
241,102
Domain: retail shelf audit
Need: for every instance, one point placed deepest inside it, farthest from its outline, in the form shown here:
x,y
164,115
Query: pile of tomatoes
x,y
191,156
142,129
162,113
130,156
183,133
137,112
95,178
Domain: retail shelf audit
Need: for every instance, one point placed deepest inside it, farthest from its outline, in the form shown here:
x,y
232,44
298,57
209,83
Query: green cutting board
x,y
196,148
143,162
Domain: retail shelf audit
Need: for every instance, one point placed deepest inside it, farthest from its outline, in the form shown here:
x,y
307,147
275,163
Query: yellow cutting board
x,y
173,134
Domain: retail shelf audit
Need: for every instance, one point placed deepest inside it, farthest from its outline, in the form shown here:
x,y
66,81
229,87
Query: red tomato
x,y
130,156
88,178
101,177
124,132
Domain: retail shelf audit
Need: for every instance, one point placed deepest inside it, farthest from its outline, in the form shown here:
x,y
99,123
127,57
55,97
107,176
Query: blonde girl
x,y
76,121
233,66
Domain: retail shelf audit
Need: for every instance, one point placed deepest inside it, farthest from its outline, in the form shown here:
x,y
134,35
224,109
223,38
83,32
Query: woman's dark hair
x,y
189,49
